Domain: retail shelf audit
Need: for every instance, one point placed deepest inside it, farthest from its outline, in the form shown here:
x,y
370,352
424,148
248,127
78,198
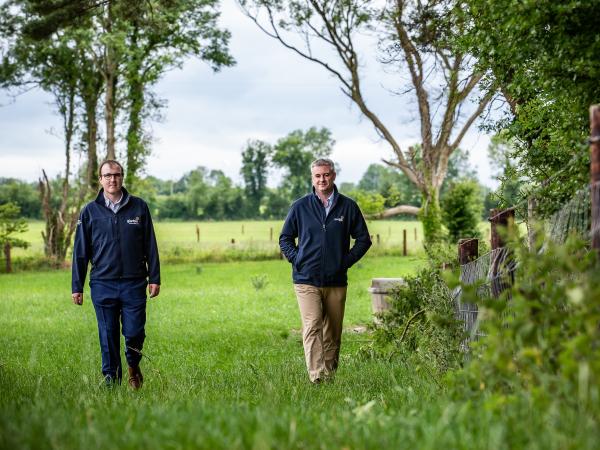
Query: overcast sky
x,y
209,117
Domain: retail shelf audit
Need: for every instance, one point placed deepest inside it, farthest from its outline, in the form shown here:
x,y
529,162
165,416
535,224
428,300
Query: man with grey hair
x,y
323,221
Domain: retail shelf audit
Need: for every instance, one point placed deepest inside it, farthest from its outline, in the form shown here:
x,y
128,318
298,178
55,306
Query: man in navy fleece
x,y
323,221
115,233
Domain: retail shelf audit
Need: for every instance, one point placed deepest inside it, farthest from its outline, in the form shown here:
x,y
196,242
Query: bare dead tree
x,y
61,219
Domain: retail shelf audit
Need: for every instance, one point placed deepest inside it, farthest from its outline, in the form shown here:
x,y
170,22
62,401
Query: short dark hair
x,y
110,162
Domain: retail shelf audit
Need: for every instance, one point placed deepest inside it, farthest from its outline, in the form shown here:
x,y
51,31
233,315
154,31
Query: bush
x,y
545,342
421,324
461,210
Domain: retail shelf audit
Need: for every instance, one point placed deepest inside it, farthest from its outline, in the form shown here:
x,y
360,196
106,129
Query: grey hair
x,y
323,162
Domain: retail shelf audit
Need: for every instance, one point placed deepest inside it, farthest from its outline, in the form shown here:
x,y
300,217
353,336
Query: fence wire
x,y
493,273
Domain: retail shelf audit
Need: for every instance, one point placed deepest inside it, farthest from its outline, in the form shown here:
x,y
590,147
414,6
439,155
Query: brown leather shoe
x,y
136,378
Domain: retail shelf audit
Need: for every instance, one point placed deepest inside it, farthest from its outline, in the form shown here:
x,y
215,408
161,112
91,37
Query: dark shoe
x,y
135,377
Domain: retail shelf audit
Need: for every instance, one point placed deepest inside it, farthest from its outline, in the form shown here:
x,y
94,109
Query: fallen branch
x,y
414,316
396,210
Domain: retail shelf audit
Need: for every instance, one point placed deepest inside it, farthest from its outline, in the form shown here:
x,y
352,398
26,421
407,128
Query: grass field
x,y
231,241
253,239
225,370
225,366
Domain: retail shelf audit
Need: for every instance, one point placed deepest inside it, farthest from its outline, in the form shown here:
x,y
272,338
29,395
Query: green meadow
x,y
190,242
224,365
224,369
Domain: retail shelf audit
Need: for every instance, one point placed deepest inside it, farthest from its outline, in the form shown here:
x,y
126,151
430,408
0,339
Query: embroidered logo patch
x,y
134,221
339,219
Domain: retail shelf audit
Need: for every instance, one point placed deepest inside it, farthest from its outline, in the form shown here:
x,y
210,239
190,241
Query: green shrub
x,y
544,343
421,324
461,210
259,281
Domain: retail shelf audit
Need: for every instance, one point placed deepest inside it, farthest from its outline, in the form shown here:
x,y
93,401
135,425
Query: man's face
x,y
322,179
111,179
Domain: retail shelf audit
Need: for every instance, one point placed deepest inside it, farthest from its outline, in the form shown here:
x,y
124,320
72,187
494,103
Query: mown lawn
x,y
225,370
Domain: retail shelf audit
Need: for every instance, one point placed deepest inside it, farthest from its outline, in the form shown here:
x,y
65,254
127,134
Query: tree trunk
x,y
136,150
110,78
7,257
91,137
396,210
431,217
60,222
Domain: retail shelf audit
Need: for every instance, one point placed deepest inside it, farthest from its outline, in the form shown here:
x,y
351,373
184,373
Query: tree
x,y
397,190
196,188
11,223
224,199
506,172
462,206
23,194
544,57
370,203
277,205
414,39
255,165
50,65
159,36
294,154
121,49
393,185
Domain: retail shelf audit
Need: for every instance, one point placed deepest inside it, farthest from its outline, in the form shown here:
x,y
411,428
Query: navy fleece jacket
x,y
323,255
119,245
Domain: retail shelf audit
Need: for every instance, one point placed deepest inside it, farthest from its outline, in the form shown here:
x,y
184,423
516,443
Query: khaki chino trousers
x,y
322,313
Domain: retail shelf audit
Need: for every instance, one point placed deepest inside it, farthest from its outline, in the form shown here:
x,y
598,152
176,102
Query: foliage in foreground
x,y
543,338
541,343
420,325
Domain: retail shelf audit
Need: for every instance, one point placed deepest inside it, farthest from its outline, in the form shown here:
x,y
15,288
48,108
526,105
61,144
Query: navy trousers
x,y
120,302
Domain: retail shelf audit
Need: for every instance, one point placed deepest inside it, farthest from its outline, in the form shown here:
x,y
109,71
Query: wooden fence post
x,y
404,253
378,239
7,257
595,174
415,235
197,233
500,218
468,249
271,234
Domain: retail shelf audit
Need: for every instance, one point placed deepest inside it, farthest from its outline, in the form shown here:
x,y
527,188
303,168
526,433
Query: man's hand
x,y
77,298
154,290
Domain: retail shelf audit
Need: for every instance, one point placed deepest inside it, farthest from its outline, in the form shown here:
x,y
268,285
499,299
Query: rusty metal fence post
x,y
500,220
467,250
